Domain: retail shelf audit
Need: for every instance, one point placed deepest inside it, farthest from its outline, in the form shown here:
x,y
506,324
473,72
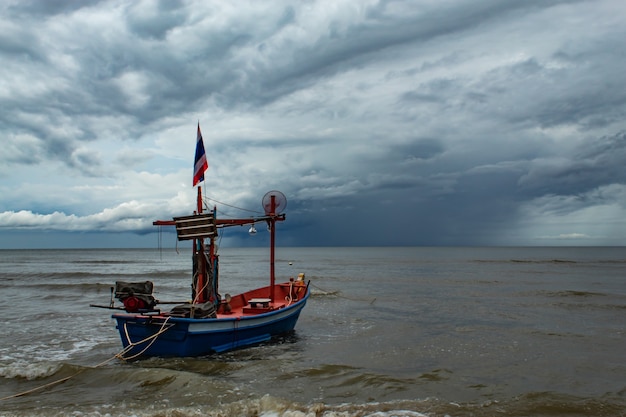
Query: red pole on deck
x,y
199,201
200,262
272,241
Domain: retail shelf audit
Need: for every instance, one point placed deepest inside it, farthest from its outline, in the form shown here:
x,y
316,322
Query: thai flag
x,y
201,163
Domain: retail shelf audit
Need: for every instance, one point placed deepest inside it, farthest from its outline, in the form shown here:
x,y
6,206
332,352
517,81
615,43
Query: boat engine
x,y
136,296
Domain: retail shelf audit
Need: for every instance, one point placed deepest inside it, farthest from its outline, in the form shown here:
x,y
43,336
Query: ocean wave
x,y
28,370
55,351
112,276
108,261
574,293
535,404
527,261
554,261
585,300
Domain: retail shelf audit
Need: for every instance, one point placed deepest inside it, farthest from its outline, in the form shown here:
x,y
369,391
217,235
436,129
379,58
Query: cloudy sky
x,y
426,122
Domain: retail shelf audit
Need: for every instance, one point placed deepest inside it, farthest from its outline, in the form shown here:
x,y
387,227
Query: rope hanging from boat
x,y
160,243
208,282
289,296
131,345
194,287
119,355
212,279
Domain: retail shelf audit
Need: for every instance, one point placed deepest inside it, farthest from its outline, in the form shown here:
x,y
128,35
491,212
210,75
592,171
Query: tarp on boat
x,y
196,311
135,295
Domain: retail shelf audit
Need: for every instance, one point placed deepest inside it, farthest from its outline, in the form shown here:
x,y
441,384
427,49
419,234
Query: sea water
x,y
387,332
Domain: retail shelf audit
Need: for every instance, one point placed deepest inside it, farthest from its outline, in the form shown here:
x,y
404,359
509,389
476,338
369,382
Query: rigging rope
x,y
229,205
205,200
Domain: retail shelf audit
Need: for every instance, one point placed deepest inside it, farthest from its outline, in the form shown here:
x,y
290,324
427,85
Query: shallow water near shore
x,y
386,332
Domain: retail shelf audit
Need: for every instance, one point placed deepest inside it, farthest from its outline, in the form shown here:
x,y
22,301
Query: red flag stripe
x,y
200,164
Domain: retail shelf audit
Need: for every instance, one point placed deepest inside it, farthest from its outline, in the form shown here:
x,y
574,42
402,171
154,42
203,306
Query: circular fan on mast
x,y
280,202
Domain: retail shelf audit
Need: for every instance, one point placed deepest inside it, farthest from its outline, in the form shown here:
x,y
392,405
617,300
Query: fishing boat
x,y
209,322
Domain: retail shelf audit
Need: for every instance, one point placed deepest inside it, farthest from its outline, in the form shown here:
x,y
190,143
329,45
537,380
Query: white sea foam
x,y
28,370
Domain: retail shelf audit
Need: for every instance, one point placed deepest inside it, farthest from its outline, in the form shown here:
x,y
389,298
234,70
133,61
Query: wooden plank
x,y
198,226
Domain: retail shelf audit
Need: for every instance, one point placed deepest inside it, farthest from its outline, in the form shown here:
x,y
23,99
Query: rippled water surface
x,y
387,332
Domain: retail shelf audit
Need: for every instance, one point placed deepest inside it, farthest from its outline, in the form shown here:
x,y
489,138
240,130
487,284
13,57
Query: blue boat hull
x,y
144,335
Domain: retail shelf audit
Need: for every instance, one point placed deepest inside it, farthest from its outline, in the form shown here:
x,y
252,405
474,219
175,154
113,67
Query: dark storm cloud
x,y
45,8
597,162
19,43
385,122
158,21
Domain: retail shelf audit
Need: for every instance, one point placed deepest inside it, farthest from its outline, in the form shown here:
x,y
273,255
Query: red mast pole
x,y
199,201
199,254
272,242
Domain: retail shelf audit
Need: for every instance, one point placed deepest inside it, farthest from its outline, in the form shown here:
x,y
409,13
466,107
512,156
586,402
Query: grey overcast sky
x,y
434,122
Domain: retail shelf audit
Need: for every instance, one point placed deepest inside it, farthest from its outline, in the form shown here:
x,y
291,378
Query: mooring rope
x,y
338,294
131,344
119,355
289,296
